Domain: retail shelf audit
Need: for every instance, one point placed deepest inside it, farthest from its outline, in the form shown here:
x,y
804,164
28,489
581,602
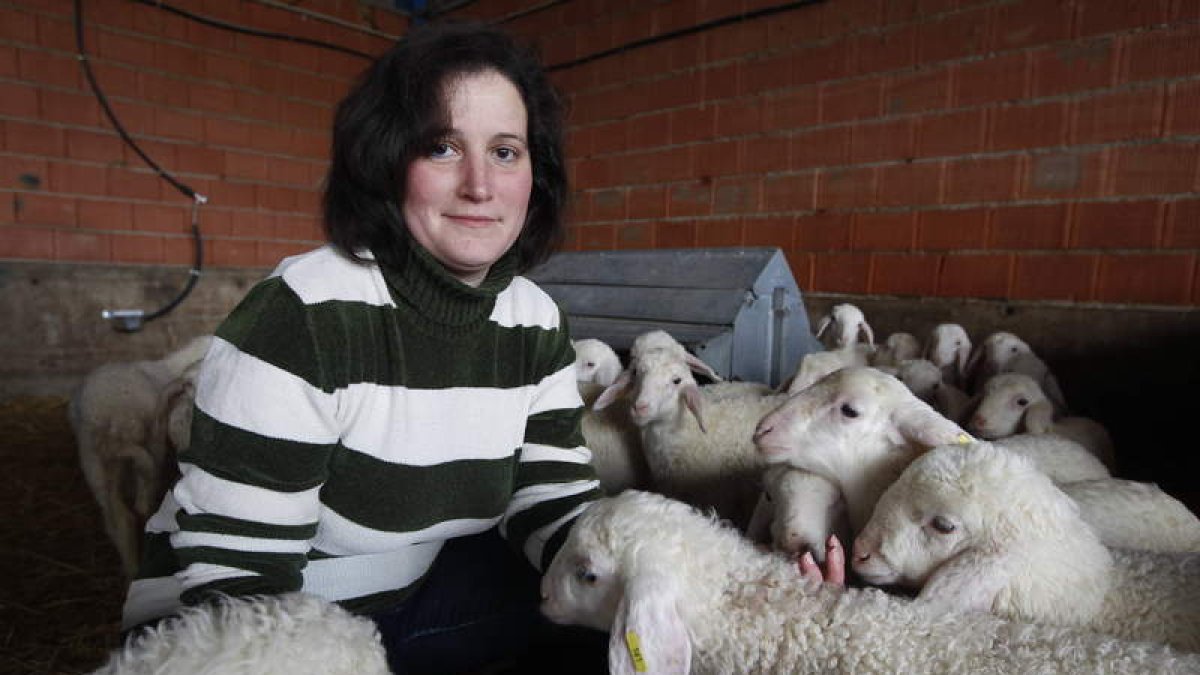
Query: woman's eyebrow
x,y
515,137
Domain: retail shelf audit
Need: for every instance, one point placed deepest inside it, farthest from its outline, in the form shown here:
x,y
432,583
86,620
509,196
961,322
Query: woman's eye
x,y
942,524
441,150
507,154
848,410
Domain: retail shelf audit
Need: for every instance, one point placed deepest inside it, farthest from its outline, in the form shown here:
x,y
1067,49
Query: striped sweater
x,y
349,420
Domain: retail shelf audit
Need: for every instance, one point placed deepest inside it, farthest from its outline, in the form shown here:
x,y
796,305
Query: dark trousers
x,y
477,612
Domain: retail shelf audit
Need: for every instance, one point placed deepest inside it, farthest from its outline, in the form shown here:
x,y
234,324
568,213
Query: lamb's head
x,y
1007,400
995,351
648,352
582,586
662,383
596,362
956,501
848,419
901,346
845,322
921,376
949,347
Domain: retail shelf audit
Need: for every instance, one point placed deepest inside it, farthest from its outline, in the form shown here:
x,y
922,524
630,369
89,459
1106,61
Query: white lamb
x,y
1004,352
845,322
815,365
615,443
896,348
698,447
949,348
595,362
978,527
797,511
924,379
1131,514
1013,402
290,634
859,428
113,414
678,593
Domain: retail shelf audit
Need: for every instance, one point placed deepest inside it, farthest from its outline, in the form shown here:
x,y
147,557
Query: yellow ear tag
x,y
635,651
963,439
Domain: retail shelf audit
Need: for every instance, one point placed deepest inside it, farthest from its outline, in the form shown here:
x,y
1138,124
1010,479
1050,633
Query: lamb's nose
x,y
762,431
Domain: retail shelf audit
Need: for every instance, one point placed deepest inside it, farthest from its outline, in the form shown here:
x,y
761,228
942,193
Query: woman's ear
x,y
648,634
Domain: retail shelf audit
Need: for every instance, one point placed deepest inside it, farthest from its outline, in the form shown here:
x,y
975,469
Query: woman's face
x,y
466,199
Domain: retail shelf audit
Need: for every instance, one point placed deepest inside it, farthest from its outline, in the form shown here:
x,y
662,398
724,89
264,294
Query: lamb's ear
x,y
919,423
1054,392
973,362
865,329
613,391
701,367
969,581
1039,416
694,400
960,360
824,324
648,635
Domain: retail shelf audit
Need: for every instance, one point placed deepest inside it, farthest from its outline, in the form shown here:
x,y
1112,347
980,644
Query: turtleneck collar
x,y
426,288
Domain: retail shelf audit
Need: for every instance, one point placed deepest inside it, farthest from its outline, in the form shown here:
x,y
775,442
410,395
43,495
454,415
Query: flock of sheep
x,y
984,517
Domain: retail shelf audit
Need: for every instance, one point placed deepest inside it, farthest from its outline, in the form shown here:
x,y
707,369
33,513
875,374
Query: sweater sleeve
x,y
261,438
555,479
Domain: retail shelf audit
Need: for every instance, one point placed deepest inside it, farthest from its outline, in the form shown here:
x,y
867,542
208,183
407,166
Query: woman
x,y
402,387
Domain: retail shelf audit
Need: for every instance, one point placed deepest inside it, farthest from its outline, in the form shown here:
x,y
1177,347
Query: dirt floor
x,y
60,601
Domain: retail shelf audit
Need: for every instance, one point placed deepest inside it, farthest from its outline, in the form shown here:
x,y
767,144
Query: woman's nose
x,y
475,182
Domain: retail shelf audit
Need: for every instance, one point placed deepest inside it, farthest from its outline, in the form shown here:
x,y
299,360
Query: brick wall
x,y
1017,149
242,120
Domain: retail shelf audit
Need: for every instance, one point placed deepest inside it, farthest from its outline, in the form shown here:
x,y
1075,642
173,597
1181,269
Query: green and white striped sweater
x,y
349,420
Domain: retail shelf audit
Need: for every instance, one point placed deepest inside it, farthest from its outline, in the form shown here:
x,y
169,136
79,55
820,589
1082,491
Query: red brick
x,y
690,199
949,134
17,25
134,185
765,154
76,246
846,188
823,232
33,139
842,273
891,140
854,100
978,180
829,146
820,63
975,276
723,232
161,218
737,195
1061,174
58,33
234,253
693,124
1068,277
1039,227
33,208
298,174
720,82
917,91
1163,53
1119,117
93,146
1117,225
802,265
1181,109
254,225
1112,16
245,166
962,229
953,36
1146,278
882,52
26,243
883,231
200,159
766,74
78,179
608,204
18,100
69,108
137,248
847,16
904,274
676,163
1028,126
734,40
910,184
995,78
769,231
1073,67
647,202
789,192
782,30
1183,224
233,133
8,61
790,110
1156,169
1032,22
647,131
271,252
675,234
105,215
738,118
634,235
125,49
46,68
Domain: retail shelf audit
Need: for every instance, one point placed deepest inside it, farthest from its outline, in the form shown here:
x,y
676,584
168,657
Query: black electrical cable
x,y
132,320
214,23
698,28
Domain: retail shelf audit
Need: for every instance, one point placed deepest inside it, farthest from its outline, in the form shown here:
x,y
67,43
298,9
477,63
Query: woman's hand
x,y
834,571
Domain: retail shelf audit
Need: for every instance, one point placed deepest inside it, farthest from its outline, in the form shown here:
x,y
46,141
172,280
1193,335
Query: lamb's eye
x,y
848,410
591,364
1022,402
585,575
677,380
942,524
